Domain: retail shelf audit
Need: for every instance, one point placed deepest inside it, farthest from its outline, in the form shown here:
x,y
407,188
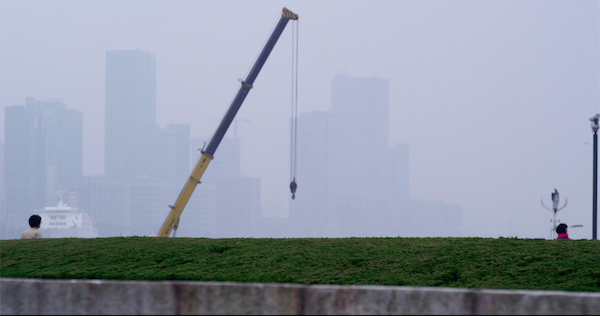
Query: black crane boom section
x,y
247,84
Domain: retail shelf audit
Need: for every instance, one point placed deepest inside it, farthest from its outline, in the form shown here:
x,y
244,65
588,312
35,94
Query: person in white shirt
x,y
34,224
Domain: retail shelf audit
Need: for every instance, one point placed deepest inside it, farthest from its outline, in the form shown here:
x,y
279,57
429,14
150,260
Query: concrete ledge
x,y
35,296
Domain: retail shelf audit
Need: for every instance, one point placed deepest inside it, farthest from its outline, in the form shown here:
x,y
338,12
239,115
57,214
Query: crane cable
x,y
294,119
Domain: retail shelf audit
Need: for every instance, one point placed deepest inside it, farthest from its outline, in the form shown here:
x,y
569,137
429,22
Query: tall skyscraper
x,y
22,194
107,203
168,159
398,190
66,146
237,201
200,216
63,138
3,216
130,116
2,164
309,210
359,157
178,142
238,206
43,154
148,204
368,179
2,195
166,153
227,157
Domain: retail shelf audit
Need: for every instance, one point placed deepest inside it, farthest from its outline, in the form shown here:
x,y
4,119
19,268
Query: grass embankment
x,y
505,263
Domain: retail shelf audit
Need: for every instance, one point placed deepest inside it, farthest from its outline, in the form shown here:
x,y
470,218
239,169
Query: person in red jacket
x,y
561,230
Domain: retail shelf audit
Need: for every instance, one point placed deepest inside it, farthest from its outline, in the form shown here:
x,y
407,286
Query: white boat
x,y
64,221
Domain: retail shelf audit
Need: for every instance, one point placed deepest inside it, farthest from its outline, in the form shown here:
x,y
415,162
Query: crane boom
x,y
172,220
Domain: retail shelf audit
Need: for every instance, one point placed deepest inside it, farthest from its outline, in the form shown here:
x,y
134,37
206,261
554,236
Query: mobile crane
x,y
172,221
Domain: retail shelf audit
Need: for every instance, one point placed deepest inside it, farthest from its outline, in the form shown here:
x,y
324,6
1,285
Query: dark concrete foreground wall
x,y
34,296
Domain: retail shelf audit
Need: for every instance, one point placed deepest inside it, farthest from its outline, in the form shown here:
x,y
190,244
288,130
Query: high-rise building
x,y
63,138
43,155
149,200
2,164
107,203
3,216
178,144
166,153
227,159
23,196
168,159
152,162
238,206
130,115
309,210
368,178
358,144
238,209
398,190
2,195
199,218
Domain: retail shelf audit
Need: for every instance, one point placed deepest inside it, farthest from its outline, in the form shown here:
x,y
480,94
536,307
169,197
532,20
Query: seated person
x,y
34,223
561,230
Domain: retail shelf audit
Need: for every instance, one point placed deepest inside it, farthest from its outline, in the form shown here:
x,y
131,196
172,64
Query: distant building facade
x,y
139,205
368,180
24,195
398,189
309,211
43,154
151,162
4,217
1,164
108,204
358,154
237,209
149,200
2,194
178,140
130,113
199,218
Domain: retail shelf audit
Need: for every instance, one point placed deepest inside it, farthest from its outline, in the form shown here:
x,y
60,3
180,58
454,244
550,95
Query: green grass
x,y
505,263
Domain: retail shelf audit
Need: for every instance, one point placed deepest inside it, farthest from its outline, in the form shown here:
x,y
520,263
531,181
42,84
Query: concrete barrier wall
x,y
35,296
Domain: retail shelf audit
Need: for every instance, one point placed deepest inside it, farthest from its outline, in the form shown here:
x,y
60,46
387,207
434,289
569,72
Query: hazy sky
x,y
493,97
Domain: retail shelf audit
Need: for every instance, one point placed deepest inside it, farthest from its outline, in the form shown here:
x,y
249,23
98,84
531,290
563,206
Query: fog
x,y
492,98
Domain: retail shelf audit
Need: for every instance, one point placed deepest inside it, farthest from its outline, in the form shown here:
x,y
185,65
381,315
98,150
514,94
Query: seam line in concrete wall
x,y
302,301
176,291
473,300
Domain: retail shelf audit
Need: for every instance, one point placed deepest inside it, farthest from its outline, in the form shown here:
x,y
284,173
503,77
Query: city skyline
x,y
493,99
43,155
231,207
130,113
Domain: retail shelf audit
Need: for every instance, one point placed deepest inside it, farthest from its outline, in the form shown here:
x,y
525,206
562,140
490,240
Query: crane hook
x,y
293,187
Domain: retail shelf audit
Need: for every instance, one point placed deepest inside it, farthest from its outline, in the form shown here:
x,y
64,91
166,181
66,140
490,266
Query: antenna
x,y
235,126
555,197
